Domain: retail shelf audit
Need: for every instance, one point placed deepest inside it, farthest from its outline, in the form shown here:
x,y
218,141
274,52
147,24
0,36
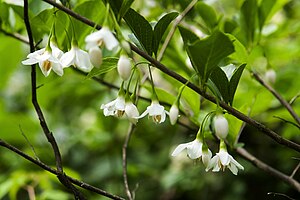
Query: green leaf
x,y
141,29
41,24
124,8
263,11
188,36
240,54
206,54
220,80
234,81
108,64
163,95
160,28
249,11
208,14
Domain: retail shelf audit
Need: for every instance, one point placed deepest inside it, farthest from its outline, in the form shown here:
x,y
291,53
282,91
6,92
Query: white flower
x,y
103,36
156,111
221,126
95,54
206,155
194,149
124,67
115,107
270,76
223,160
131,112
174,111
48,59
77,57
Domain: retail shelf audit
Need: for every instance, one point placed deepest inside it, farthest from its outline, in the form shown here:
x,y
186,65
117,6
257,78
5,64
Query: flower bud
x,y
220,124
174,111
95,54
124,67
270,76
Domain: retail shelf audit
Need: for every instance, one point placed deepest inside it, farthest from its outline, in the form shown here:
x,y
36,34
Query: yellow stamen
x,y
157,118
47,65
120,113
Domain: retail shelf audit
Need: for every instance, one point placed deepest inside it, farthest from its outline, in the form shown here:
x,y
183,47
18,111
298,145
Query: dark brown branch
x,y
261,165
278,96
55,172
181,79
61,175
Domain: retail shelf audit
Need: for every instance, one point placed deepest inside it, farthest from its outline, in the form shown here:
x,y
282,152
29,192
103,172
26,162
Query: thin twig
x,y
61,175
286,121
195,88
295,170
31,146
173,28
261,165
15,35
278,96
280,194
124,162
55,172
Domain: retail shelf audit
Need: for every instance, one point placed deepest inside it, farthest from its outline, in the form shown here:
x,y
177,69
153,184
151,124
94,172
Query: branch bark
x,y
278,96
60,175
55,172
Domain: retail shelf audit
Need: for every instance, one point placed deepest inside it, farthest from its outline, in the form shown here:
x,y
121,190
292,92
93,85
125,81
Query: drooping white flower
x,y
95,54
102,37
194,149
223,160
124,67
47,59
174,113
115,107
131,112
220,124
78,58
156,111
270,76
206,155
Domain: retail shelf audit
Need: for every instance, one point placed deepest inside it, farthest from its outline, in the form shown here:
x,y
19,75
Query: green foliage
x,y
206,54
108,64
160,28
208,14
141,29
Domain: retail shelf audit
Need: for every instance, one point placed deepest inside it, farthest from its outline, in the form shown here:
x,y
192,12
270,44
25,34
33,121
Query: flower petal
x,y
180,148
82,60
68,58
224,158
195,149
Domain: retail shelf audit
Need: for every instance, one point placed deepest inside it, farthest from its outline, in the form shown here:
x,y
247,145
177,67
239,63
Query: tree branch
x,y
55,172
181,79
61,175
278,96
261,165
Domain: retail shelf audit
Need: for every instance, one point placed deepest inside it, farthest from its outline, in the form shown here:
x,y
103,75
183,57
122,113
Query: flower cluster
x,y
198,149
52,58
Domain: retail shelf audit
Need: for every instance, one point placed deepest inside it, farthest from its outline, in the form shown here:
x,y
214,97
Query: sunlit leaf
x,y
233,83
208,14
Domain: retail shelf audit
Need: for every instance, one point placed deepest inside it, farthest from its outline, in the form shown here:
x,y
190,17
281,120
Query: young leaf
x,y
234,82
249,11
160,28
220,80
188,36
208,14
124,8
141,29
108,64
206,54
263,11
